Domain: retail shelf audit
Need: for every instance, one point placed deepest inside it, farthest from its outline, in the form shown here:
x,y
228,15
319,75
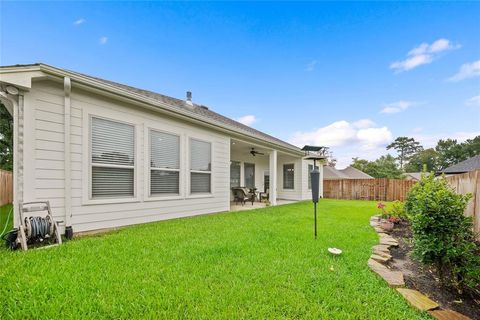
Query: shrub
x,y
398,210
442,235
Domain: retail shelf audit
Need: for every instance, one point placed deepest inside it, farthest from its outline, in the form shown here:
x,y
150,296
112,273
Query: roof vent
x,y
189,98
204,107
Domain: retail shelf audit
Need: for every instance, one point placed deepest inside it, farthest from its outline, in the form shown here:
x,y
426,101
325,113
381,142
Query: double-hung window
x,y
288,176
112,159
200,166
164,163
310,169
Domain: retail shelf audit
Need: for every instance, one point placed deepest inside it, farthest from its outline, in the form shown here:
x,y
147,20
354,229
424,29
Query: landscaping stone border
x,y
381,254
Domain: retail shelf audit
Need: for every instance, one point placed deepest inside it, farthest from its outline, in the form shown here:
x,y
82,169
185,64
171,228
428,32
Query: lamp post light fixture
x,y
315,153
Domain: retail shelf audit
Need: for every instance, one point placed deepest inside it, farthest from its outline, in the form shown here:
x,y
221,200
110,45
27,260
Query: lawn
x,y
261,264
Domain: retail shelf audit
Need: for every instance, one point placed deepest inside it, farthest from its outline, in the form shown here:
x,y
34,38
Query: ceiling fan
x,y
254,153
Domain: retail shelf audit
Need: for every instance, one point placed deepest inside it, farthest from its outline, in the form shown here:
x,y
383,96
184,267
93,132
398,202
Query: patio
x,y
256,205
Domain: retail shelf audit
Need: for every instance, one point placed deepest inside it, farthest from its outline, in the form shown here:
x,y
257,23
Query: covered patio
x,y
269,176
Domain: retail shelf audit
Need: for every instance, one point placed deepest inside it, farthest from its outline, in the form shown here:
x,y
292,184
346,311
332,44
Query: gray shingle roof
x,y
468,165
195,110
354,173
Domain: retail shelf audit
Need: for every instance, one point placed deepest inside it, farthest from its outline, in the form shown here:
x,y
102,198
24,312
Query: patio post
x,y
273,177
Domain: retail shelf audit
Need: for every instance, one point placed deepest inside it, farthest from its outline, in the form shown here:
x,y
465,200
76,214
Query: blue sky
x,y
352,76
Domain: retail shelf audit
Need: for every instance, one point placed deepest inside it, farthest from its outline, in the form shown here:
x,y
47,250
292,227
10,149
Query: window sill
x,y
90,202
199,196
164,198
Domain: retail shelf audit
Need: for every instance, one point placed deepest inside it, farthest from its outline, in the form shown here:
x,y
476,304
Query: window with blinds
x,y
164,163
200,166
112,159
310,169
234,174
288,176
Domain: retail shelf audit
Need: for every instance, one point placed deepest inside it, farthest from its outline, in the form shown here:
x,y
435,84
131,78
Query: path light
x,y
315,153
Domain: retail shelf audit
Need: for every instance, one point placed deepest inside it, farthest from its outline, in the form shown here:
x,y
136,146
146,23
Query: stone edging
x,y
381,255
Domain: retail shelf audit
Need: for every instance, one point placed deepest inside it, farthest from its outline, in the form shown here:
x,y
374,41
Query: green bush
x,y
398,210
442,235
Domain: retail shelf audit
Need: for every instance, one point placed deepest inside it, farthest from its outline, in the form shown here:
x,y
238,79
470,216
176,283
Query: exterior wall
x,y
261,165
44,176
297,192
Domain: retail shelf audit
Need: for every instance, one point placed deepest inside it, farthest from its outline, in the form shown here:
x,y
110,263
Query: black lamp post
x,y
315,153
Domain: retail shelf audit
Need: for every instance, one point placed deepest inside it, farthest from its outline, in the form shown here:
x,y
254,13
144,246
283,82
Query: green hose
x,y
6,222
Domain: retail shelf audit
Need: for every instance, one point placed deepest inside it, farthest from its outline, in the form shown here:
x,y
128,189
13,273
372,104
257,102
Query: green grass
x,y
4,211
261,264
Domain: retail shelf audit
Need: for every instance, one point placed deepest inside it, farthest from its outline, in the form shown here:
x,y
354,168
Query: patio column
x,y
273,177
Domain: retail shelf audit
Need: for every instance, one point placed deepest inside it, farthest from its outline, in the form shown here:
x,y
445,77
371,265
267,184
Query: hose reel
x,y
37,228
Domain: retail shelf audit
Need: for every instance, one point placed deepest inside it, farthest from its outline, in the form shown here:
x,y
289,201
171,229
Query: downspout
x,y
67,159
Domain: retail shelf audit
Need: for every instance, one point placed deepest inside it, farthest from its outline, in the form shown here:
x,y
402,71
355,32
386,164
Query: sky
x,y
352,76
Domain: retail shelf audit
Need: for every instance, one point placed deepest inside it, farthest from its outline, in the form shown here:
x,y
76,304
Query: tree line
x,y
412,157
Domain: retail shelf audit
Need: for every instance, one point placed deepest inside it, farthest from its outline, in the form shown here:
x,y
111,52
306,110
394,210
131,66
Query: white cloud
x,y
467,70
423,54
79,22
311,65
473,101
398,106
103,40
247,120
341,133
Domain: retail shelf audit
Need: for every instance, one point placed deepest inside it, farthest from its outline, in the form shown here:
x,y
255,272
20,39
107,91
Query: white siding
x,y
44,160
297,192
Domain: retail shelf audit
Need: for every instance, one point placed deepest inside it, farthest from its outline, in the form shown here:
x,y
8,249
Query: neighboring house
x,y
106,154
468,165
330,173
416,176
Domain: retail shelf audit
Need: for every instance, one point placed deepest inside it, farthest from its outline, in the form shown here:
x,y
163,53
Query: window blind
x,y
288,176
164,163
112,157
200,166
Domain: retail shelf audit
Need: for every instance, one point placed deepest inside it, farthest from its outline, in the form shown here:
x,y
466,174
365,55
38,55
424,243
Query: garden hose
x,y
38,228
6,223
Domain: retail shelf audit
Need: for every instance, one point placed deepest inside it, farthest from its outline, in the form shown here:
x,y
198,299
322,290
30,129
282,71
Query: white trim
x,y
103,88
88,113
66,150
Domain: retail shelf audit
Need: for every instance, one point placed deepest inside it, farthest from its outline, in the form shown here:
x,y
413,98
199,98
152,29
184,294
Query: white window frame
x,y
168,130
115,116
189,171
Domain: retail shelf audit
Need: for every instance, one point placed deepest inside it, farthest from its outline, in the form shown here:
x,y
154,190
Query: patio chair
x,y
242,196
264,195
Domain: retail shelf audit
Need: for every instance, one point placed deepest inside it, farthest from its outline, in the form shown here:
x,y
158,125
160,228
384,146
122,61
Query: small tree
x,y
405,147
442,235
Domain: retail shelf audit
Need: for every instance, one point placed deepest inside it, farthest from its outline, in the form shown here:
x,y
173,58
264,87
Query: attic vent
x,y
204,107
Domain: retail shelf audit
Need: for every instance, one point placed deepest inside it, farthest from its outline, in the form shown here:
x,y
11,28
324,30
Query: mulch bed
x,y
425,279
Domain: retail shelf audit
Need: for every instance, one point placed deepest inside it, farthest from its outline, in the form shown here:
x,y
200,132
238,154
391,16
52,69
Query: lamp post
x,y
315,153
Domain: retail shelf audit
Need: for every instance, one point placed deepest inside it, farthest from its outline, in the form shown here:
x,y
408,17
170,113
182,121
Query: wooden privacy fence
x,y
6,187
367,189
469,183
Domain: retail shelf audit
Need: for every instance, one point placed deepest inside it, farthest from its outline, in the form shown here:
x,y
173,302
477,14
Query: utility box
x,y
315,176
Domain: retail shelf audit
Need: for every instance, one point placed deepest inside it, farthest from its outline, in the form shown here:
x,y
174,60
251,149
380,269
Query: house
x,y
330,173
471,164
108,155
415,176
